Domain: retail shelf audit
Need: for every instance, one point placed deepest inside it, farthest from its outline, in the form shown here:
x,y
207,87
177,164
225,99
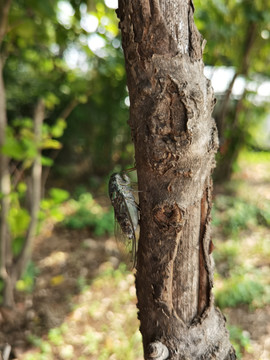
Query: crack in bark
x,y
171,276
204,289
195,38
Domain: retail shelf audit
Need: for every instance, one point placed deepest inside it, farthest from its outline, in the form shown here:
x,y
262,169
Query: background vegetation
x,y
74,298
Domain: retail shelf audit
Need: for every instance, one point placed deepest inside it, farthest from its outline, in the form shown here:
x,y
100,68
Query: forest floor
x,y
83,303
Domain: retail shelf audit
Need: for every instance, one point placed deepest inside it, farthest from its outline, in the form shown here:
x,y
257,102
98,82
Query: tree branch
x,y
24,256
243,69
68,109
224,108
64,115
5,256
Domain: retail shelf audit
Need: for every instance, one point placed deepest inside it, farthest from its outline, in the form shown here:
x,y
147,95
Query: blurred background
x,y
63,63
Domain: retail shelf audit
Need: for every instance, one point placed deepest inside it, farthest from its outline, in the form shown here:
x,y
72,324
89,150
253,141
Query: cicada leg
x,y
130,169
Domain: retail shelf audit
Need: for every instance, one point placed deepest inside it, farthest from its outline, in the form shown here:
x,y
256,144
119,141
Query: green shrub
x,y
240,340
88,213
27,282
226,256
239,289
50,206
235,214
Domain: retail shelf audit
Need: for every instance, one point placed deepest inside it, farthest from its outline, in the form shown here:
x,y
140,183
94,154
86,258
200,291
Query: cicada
x,y
125,208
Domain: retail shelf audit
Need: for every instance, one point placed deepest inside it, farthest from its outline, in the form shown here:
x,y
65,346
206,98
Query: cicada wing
x,y
125,234
133,215
127,247
126,212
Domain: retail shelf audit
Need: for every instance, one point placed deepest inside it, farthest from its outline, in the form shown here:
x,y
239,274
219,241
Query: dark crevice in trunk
x,y
204,287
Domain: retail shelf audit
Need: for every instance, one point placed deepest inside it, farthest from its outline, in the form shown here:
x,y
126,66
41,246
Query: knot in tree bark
x,y
157,351
168,217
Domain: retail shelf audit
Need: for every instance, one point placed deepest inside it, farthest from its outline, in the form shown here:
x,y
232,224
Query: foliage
x,y
69,54
242,109
50,206
88,213
97,136
36,69
235,214
21,148
253,157
241,220
239,289
35,45
77,58
27,282
19,217
240,340
227,257
20,144
227,23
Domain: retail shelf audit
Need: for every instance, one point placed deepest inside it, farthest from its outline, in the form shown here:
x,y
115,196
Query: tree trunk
x,y
5,243
231,146
35,195
175,141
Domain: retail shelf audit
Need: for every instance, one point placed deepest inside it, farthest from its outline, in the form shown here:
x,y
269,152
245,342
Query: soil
x,y
62,256
257,325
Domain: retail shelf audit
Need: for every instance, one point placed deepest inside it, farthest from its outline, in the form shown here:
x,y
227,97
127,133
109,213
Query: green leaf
x,y
13,149
51,100
58,195
51,144
19,220
23,123
25,29
57,130
22,187
82,99
17,245
46,161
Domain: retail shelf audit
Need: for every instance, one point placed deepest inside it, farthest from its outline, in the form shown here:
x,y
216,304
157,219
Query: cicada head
x,y
124,180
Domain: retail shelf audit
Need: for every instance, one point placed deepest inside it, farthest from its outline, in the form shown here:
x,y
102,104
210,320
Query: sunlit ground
x,y
102,325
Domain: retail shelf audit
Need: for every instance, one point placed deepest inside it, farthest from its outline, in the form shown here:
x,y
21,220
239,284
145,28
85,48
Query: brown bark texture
x,y
175,140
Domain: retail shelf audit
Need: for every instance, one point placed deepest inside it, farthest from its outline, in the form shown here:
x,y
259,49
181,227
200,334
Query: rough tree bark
x,y
175,140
